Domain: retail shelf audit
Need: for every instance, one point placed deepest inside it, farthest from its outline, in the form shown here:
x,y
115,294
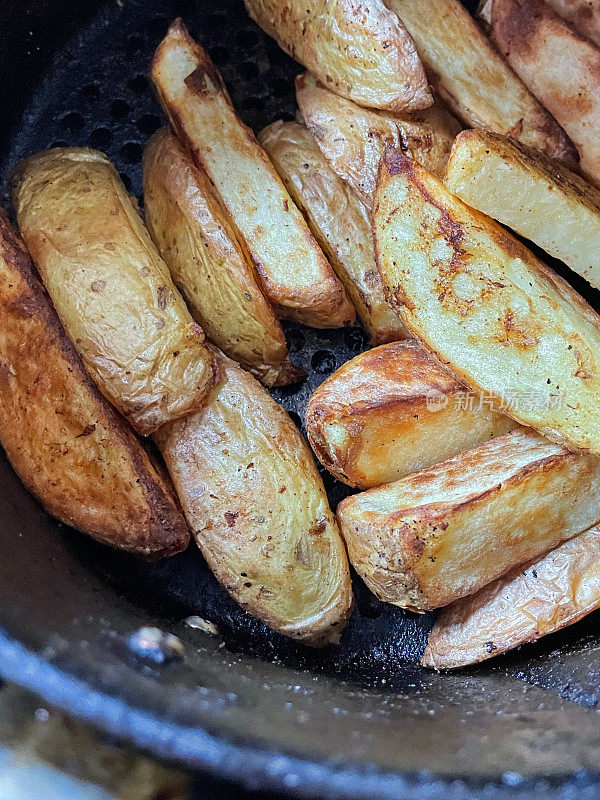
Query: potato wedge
x,y
294,273
438,535
474,80
339,222
529,192
113,292
208,263
67,444
353,139
256,504
392,411
502,321
582,15
359,49
559,66
529,602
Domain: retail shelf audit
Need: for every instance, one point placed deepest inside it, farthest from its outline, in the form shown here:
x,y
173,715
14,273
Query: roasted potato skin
x,y
474,80
529,602
294,273
441,534
67,444
113,292
488,308
353,139
361,50
559,66
392,411
583,15
256,504
528,192
338,221
209,265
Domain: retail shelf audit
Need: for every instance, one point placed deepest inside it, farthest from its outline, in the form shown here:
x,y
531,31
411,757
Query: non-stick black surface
x,y
73,603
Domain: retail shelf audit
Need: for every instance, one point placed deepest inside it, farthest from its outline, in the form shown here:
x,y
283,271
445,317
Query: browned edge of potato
x,y
360,50
338,221
443,533
353,139
253,497
583,15
112,291
529,602
560,67
473,78
294,273
70,448
503,322
530,193
392,411
208,263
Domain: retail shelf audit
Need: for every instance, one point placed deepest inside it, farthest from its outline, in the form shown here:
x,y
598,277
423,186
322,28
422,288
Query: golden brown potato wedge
x,y
559,66
582,15
532,194
256,504
438,535
208,263
475,81
392,411
361,50
529,602
339,222
113,292
502,321
353,139
67,444
294,273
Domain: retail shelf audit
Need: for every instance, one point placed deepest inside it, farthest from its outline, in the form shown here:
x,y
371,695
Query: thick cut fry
x,y
502,321
338,221
358,48
208,263
113,292
441,534
583,15
475,81
67,444
532,194
353,139
254,499
392,411
295,274
528,603
561,68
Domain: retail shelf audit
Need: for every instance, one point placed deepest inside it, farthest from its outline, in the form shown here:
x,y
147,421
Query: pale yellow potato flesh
x,y
256,504
529,602
530,193
111,289
473,78
68,445
559,66
209,264
392,411
501,320
353,139
294,273
441,534
359,48
339,222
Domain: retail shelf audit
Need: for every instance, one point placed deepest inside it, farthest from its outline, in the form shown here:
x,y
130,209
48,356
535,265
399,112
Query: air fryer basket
x,y
358,720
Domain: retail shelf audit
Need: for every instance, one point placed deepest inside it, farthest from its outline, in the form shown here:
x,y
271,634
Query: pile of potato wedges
x,y
424,140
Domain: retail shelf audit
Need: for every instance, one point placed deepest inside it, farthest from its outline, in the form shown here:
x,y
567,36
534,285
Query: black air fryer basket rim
x,y
53,642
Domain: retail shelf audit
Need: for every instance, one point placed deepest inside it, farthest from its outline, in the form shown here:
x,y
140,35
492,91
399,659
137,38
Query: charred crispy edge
x,y
411,546
166,525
